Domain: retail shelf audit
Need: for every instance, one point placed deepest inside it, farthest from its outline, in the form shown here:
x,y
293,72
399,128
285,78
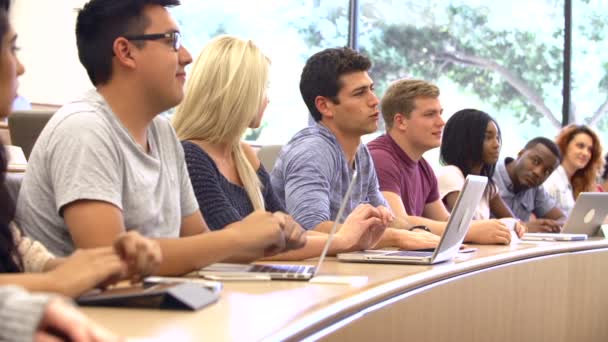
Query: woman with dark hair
x,y
581,164
471,145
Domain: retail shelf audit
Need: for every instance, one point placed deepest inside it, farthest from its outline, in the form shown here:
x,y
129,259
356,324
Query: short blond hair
x,y
400,97
224,94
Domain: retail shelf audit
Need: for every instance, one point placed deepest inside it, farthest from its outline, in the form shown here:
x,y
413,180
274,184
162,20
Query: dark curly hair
x,y
321,75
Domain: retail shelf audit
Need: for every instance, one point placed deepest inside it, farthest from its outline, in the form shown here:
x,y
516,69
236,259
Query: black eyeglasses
x,y
174,37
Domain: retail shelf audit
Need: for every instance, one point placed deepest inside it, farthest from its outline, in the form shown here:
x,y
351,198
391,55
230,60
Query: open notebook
x,y
585,219
226,271
453,235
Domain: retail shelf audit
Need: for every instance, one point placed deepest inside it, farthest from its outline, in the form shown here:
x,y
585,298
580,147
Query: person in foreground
x,y
26,316
313,170
226,94
581,164
520,180
471,144
107,162
413,116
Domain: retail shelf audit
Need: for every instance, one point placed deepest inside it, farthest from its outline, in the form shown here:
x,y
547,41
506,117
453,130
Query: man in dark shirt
x,y
413,116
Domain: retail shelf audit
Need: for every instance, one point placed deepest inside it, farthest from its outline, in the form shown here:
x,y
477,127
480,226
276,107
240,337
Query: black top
x,y
222,202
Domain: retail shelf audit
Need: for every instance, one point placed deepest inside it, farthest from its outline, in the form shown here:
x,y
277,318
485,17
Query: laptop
x,y
585,219
451,240
229,271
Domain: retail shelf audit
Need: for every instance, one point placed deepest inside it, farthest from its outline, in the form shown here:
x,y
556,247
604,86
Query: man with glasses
x,y
107,162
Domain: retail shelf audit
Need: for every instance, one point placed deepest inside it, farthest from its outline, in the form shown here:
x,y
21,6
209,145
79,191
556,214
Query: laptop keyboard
x,y
280,268
410,254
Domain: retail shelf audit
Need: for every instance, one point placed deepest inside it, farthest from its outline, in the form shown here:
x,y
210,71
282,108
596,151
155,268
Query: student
x,y
25,316
520,180
314,169
413,116
581,163
228,179
132,255
471,144
106,162
604,185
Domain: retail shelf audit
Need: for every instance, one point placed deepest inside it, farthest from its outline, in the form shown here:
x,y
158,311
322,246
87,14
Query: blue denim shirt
x,y
311,176
523,203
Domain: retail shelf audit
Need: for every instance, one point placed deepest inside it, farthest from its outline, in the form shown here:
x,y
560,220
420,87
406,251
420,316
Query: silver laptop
x,y
585,219
455,231
227,271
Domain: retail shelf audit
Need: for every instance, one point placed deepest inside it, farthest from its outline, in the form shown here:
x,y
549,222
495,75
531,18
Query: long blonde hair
x,y
224,94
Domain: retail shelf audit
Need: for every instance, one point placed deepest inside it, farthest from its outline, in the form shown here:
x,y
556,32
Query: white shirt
x,y
558,186
450,179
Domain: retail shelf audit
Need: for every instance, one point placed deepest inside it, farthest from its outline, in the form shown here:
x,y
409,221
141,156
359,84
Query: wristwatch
x,y
423,227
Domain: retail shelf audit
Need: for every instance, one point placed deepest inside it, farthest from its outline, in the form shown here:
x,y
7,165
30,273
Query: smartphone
x,y
214,286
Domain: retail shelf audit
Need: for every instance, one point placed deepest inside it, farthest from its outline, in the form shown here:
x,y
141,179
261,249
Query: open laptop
x,y
228,271
455,231
585,219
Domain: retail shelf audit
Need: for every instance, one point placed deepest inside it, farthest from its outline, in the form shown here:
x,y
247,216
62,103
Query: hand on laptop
x,y
85,270
295,235
489,232
264,234
363,228
544,226
520,229
417,239
142,255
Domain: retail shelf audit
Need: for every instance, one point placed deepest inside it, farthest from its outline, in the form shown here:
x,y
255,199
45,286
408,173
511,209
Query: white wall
x,y
53,73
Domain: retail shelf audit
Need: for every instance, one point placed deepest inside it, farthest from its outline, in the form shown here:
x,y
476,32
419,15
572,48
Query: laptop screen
x,y
334,227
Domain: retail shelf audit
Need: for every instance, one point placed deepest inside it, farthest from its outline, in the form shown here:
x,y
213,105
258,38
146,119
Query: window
x,y
590,65
287,31
490,56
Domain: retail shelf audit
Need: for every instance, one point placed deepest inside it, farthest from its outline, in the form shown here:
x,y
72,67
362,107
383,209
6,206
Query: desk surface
x,y
279,310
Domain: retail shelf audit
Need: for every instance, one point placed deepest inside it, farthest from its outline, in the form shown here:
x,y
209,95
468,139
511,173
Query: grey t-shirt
x,y
85,153
311,176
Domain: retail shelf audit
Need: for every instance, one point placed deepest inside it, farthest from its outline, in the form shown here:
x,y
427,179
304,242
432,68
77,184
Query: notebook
x,y
227,271
585,219
451,240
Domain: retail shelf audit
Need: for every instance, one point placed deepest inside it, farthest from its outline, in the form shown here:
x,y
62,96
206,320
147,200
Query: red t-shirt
x,y
414,181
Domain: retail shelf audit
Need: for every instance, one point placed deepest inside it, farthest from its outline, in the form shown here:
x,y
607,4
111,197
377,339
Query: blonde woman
x,y
226,94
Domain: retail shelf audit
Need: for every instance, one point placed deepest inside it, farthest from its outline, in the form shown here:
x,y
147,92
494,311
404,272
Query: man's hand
x,y
63,322
416,239
363,228
489,232
142,255
544,226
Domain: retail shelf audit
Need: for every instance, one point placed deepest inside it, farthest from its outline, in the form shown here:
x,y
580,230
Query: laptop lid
x,y
334,227
460,218
588,214
455,231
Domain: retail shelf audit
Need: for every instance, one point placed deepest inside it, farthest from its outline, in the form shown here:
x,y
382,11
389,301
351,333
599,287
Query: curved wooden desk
x,y
524,292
